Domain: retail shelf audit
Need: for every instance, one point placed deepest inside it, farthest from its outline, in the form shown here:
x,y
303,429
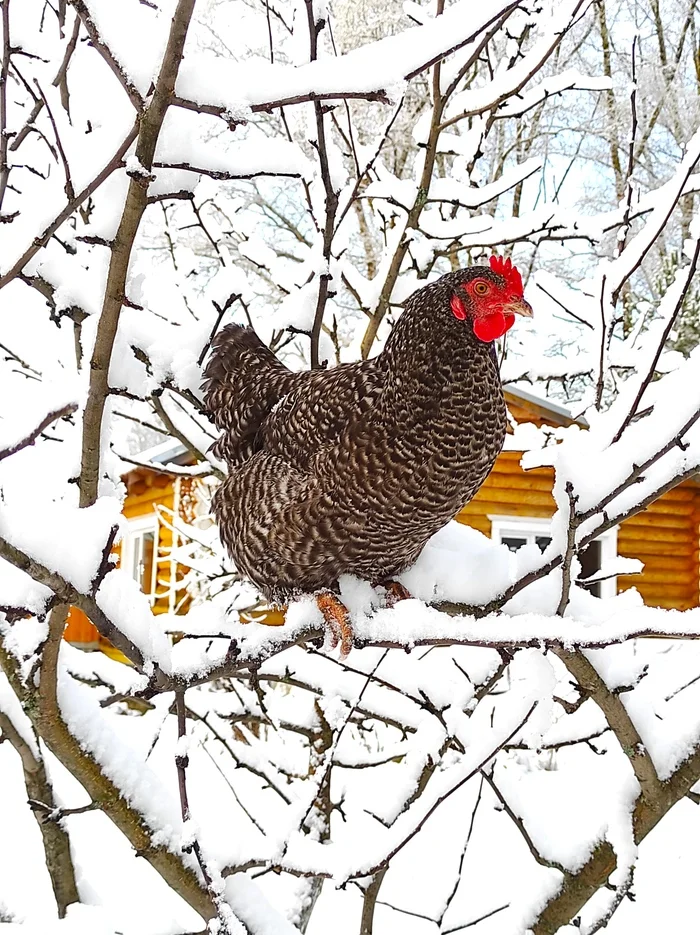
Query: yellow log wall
x,y
665,536
146,493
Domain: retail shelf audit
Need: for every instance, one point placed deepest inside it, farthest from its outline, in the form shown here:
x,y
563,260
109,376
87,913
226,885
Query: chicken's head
x,y
490,297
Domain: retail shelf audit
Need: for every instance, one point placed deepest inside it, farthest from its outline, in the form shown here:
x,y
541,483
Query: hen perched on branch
x,y
352,470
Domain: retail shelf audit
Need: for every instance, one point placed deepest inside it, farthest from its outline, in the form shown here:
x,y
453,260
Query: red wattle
x,y
489,327
458,309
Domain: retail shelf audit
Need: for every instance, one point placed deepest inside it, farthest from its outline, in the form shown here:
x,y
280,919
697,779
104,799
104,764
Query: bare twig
x,y
181,763
458,877
101,46
219,110
688,274
48,420
570,552
331,196
61,79
43,238
68,187
221,175
621,890
173,430
4,73
518,822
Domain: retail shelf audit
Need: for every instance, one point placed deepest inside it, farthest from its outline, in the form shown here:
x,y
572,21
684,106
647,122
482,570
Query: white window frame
x,y
136,528
531,526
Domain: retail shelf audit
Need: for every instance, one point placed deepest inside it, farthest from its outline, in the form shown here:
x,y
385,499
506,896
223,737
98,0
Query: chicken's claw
x,y
396,592
337,620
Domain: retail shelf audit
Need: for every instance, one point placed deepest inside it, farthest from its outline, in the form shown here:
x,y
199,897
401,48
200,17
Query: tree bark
x,y
59,861
134,208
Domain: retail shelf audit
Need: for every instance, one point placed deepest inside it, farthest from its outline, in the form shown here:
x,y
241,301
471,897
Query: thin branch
x,y
219,110
50,813
65,592
688,274
181,764
43,238
467,925
56,841
61,79
458,877
331,195
621,890
171,470
615,712
369,902
35,433
570,552
173,430
101,46
519,823
221,175
4,73
68,187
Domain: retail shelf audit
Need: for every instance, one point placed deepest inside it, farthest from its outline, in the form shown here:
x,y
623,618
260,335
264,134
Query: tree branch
x,y
35,433
43,238
51,727
65,592
101,46
4,74
59,861
134,208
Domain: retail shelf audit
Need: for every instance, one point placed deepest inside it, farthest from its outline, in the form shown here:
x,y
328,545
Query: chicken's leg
x,y
337,620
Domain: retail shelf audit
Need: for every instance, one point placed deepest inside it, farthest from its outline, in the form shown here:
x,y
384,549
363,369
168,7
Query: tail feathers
x,y
243,381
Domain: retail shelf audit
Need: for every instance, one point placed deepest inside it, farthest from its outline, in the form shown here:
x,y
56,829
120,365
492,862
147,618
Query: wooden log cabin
x,y
154,500
513,506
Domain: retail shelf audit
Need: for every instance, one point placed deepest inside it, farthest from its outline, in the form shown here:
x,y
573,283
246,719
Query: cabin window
x,y
140,552
517,531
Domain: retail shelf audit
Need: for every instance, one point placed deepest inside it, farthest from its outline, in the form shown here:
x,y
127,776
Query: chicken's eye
x,y
481,288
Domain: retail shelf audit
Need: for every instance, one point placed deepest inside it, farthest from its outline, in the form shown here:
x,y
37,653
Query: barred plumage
x,y
353,469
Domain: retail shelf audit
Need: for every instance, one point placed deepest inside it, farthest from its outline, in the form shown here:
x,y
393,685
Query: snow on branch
x,y
29,439
367,72
269,182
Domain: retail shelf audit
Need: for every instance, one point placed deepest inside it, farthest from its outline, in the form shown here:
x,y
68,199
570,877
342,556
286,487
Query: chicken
x,y
351,470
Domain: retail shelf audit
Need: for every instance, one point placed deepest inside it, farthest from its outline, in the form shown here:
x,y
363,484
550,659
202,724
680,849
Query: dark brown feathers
x,y
243,381
351,470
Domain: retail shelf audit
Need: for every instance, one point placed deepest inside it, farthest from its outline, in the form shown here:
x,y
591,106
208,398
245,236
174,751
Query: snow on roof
x,y
554,408
167,451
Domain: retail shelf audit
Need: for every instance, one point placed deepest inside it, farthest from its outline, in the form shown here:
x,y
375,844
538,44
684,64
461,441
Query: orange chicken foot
x,y
337,621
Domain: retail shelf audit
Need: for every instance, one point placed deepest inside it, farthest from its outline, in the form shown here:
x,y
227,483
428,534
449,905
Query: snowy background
x,y
505,752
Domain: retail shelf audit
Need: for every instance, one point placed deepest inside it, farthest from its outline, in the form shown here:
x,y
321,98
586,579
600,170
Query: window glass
x,y
513,542
590,559
143,546
516,532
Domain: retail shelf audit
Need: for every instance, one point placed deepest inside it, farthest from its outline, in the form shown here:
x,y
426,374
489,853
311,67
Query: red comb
x,y
509,272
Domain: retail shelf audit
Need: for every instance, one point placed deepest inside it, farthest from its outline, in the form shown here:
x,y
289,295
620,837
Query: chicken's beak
x,y
519,307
